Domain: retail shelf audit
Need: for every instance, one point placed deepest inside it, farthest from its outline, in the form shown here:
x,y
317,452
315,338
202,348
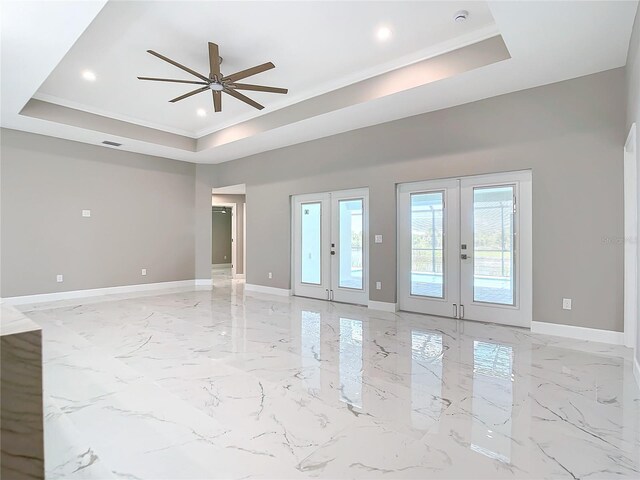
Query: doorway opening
x,y
228,232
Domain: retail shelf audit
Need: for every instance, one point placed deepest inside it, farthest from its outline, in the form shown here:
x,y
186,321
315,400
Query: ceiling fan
x,y
217,82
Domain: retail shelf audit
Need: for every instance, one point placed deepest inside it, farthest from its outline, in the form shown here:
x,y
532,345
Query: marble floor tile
x,y
219,383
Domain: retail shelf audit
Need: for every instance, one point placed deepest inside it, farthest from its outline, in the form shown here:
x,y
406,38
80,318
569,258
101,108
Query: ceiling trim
x,y
89,121
441,48
544,51
427,53
104,113
421,73
417,74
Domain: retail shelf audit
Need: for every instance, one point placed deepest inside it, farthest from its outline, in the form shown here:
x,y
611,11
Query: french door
x,y
330,246
464,248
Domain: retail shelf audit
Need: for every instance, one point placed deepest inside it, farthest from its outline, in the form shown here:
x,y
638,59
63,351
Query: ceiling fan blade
x,y
217,100
250,71
181,97
257,88
214,61
243,98
172,80
176,64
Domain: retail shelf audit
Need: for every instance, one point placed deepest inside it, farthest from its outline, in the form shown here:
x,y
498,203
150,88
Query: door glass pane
x,y
310,249
427,245
350,244
493,276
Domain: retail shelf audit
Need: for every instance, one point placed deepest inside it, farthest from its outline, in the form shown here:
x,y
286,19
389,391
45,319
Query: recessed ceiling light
x,y
384,33
202,112
89,75
461,16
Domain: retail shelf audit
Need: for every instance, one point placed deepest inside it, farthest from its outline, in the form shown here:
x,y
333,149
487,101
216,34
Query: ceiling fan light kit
x,y
218,83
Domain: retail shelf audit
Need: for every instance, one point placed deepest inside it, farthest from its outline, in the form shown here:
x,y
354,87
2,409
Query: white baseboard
x,y
636,369
384,306
579,333
94,292
220,265
240,276
283,292
204,282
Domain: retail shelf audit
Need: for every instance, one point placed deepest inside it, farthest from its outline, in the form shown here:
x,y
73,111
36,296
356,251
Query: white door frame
x,y
233,233
631,267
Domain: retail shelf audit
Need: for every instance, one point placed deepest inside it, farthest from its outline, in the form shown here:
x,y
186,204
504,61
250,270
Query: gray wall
x,y
142,216
570,134
239,200
220,237
633,113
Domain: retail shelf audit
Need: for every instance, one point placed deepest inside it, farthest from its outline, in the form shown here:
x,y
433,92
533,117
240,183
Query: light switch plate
x,y
378,285
566,304
378,239
59,278
86,213
144,271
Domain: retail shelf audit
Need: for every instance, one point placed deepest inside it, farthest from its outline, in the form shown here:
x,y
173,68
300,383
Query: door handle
x,y
332,252
464,256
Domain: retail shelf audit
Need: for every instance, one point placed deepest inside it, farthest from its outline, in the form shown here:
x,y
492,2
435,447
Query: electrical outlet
x,y
270,275
143,271
378,239
566,304
59,278
225,257
86,213
378,285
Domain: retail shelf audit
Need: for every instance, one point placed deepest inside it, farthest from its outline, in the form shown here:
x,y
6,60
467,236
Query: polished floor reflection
x,y
201,384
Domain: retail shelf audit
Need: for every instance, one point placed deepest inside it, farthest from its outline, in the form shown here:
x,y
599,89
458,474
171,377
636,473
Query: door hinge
x,y
461,311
